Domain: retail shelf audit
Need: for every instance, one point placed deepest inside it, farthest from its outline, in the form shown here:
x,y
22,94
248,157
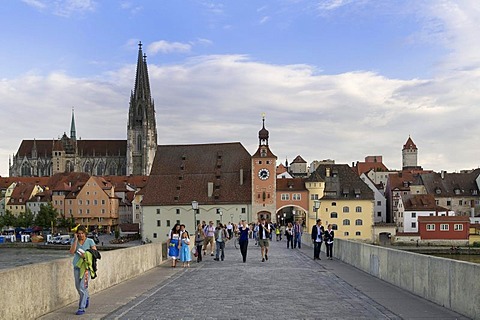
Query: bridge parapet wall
x,y
31,291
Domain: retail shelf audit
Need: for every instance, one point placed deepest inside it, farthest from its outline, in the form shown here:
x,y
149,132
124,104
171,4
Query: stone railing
x,y
31,291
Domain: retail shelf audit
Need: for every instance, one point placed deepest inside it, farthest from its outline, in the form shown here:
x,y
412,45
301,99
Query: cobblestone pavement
x,y
290,285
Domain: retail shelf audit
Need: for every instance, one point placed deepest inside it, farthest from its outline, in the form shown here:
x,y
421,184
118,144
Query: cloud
x,y
64,8
264,19
38,4
163,46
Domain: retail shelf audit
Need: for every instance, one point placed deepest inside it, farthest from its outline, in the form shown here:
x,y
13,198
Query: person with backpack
x,y
78,248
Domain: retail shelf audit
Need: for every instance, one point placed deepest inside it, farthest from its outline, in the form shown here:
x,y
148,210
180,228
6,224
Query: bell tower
x,y
264,178
141,128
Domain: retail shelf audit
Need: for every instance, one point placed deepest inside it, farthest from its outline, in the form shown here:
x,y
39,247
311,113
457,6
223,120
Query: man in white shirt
x,y
263,238
209,238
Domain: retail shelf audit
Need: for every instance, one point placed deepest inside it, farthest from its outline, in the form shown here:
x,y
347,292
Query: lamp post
x,y
195,212
316,206
284,218
221,217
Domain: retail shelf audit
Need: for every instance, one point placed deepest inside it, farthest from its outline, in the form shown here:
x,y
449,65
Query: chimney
x,y
241,177
442,174
210,189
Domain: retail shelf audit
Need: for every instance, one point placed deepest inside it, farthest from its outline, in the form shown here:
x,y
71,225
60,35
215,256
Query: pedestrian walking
x,y
297,235
263,238
185,255
243,239
329,235
289,235
277,233
209,238
199,239
81,273
220,239
317,239
173,244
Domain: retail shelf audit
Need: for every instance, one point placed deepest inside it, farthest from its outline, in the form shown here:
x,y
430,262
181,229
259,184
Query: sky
x,y
336,79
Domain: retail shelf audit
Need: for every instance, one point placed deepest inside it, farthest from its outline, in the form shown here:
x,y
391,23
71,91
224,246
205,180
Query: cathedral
x,y
133,156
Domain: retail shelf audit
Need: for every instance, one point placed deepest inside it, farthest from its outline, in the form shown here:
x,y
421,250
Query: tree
x,y
46,216
25,219
8,219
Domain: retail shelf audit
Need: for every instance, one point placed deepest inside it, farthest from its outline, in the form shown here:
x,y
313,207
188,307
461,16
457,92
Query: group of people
x,y
207,237
320,235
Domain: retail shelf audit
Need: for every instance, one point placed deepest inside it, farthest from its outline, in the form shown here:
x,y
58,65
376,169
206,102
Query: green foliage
x,y
25,219
117,234
8,220
476,244
46,215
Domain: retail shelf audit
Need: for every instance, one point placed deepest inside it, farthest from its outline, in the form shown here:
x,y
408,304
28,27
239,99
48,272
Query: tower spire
x,y
73,132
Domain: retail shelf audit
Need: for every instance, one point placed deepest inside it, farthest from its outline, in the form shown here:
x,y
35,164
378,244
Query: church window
x,y
100,169
139,142
88,167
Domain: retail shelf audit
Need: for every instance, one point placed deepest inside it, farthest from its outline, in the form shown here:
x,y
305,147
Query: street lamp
x,y
195,212
221,217
284,218
316,206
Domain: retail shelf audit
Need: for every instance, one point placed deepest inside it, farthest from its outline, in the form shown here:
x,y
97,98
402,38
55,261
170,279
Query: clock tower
x,y
264,178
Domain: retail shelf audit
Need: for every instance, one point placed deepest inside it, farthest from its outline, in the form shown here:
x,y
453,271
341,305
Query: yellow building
x,y
18,194
344,201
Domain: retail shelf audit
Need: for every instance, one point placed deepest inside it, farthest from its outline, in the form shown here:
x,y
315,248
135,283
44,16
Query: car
x,y
62,239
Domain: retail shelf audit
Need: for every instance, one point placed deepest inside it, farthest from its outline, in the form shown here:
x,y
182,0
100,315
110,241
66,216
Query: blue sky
x,y
337,79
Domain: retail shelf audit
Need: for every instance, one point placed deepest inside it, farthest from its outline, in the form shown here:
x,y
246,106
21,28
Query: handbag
x,y
194,252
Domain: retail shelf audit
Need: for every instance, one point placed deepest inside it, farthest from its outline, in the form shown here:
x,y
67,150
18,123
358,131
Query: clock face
x,y
263,174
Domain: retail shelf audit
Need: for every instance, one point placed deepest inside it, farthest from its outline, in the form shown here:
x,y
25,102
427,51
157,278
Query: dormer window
x,y
457,191
438,190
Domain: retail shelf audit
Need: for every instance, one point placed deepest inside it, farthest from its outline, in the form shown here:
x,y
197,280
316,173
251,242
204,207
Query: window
x,y
177,211
430,227
178,222
334,227
334,204
158,211
379,203
314,197
346,234
243,210
103,211
358,209
414,214
159,223
285,196
333,215
79,202
379,213
88,211
414,224
346,209
358,222
458,227
449,202
168,223
103,201
460,202
155,235
346,222
297,197
444,227
358,233
95,202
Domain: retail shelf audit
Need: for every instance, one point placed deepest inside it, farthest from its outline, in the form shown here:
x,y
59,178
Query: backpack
x,y
95,256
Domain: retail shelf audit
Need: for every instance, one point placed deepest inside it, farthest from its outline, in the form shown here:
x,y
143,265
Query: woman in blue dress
x,y
173,243
185,255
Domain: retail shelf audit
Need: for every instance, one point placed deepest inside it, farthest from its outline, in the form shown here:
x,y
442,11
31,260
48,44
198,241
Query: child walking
x,y
185,255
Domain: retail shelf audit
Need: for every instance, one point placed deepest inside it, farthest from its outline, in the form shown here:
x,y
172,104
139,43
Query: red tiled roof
x,y
409,144
295,184
181,173
298,159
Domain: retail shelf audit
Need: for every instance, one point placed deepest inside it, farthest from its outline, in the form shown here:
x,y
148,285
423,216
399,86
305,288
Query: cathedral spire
x,y
141,128
73,132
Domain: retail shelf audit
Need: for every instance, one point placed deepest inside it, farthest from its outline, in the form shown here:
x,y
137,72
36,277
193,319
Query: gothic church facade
x,y
133,156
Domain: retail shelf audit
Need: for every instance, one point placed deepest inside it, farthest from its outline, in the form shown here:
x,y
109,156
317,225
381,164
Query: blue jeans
x,y
82,287
220,247
297,240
